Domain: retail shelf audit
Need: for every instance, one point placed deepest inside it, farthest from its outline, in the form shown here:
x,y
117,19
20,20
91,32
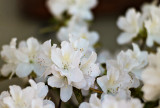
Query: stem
x,y
60,103
97,91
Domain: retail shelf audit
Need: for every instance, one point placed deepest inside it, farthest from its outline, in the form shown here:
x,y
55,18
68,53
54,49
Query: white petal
x,y
102,81
94,100
85,105
7,69
24,69
38,69
16,92
56,56
56,82
76,75
48,104
33,44
125,37
37,103
66,93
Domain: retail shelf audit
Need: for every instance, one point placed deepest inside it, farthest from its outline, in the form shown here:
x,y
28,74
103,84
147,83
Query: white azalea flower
x,y
90,70
124,73
66,69
30,97
111,102
151,78
82,8
72,68
58,7
136,60
153,25
22,60
27,54
79,8
115,80
9,56
131,25
78,30
149,8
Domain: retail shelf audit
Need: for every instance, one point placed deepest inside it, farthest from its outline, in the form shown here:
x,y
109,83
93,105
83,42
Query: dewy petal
x,y
66,93
56,82
24,69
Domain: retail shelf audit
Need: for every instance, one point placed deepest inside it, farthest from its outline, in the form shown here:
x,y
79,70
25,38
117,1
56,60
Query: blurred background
x,y
26,18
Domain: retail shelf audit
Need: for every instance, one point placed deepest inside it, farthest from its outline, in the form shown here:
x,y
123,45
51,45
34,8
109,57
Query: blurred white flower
x,y
79,8
137,60
58,7
130,24
9,56
78,29
2,96
149,8
22,60
111,102
82,9
151,78
94,102
26,98
153,26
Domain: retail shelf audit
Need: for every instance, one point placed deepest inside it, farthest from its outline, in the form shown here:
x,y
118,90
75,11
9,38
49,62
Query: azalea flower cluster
x,y
22,60
80,11
144,25
109,101
78,8
151,78
73,66
124,72
30,97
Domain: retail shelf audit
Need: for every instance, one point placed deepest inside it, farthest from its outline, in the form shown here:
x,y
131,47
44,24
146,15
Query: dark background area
x,y
38,9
